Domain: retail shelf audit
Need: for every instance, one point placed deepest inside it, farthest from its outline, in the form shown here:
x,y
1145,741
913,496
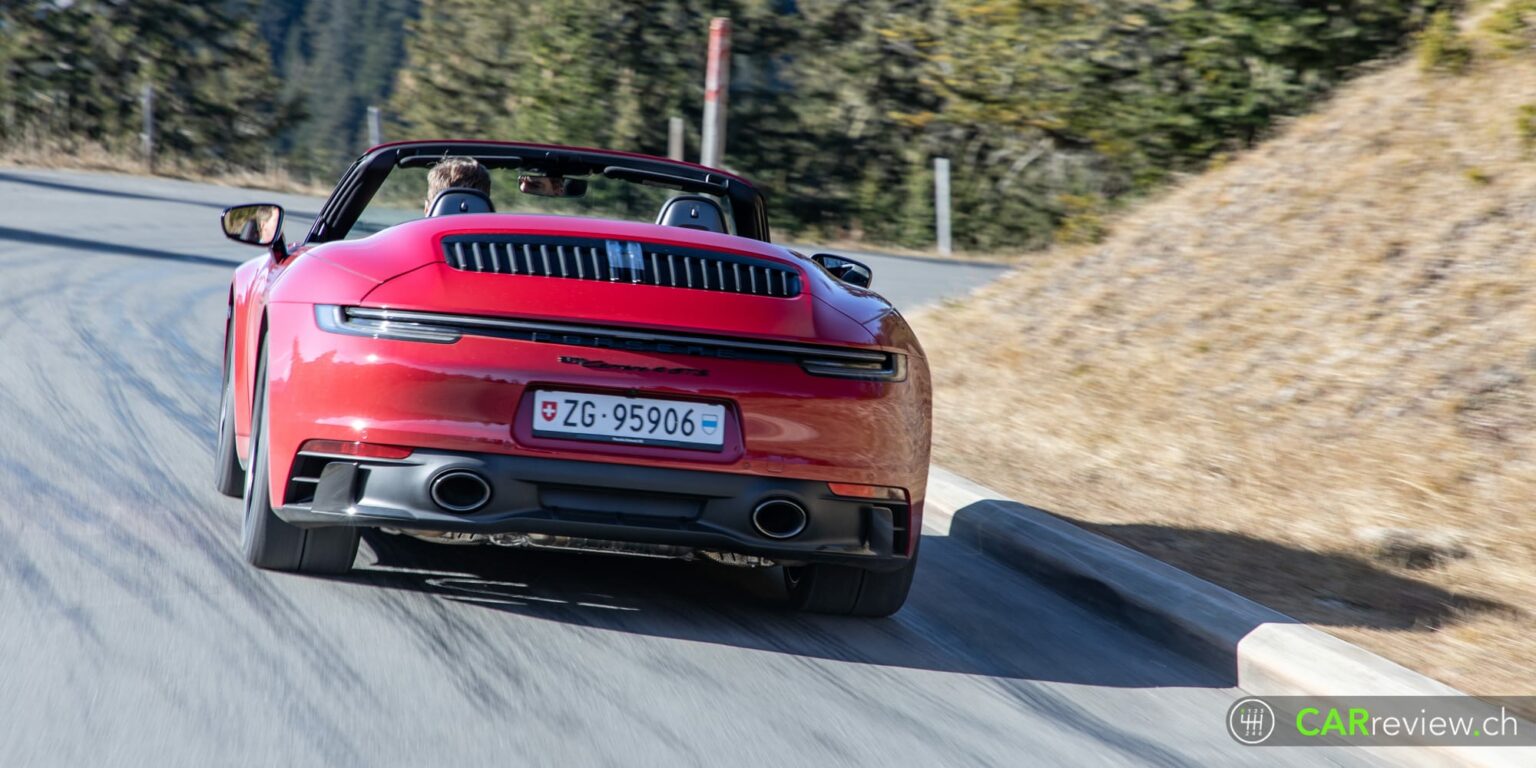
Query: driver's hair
x,y
453,172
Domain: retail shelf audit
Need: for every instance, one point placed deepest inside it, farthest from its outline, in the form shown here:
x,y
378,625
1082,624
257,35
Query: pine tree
x,y
337,58
75,71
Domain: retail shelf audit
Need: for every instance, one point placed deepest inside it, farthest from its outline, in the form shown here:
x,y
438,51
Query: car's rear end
x,y
610,386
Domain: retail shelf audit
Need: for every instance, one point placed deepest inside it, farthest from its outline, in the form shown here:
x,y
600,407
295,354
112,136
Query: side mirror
x,y
257,224
845,269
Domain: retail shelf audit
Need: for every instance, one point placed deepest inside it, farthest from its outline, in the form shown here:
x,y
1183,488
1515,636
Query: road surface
x,y
132,633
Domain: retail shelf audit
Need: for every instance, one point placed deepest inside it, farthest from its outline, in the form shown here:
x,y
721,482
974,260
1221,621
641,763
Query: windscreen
x,y
402,198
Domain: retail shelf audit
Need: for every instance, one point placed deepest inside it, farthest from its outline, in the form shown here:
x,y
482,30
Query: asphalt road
x,y
912,281
131,632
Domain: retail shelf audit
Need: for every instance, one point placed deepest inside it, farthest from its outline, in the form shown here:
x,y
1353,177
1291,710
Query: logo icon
x,y
626,261
1251,721
549,410
709,424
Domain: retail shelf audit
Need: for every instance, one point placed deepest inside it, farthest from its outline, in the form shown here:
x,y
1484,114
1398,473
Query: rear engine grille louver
x,y
619,261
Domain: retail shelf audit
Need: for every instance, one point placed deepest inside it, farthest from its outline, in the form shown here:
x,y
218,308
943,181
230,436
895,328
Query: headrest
x,y
460,200
692,212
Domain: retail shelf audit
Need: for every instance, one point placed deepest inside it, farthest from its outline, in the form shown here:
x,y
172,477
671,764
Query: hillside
x,y
1308,374
1050,113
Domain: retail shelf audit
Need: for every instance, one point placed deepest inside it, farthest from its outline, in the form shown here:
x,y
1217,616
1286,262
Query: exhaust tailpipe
x,y
460,491
779,519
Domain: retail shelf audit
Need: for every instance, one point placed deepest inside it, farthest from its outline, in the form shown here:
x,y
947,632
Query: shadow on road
x,y
966,614
117,249
61,186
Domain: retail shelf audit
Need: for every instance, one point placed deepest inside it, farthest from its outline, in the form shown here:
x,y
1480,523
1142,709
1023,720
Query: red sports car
x,y
559,375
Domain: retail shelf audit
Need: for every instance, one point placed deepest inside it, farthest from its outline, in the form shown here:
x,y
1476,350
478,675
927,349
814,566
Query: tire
x,y
228,475
844,590
269,542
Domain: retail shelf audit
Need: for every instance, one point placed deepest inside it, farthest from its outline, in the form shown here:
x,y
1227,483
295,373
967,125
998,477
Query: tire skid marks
x,y
98,381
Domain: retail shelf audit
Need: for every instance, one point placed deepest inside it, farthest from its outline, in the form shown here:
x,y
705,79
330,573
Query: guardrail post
x,y
147,137
375,127
941,204
675,138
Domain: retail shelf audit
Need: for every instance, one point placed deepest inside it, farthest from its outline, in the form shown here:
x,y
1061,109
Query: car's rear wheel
x,y
848,591
268,541
228,475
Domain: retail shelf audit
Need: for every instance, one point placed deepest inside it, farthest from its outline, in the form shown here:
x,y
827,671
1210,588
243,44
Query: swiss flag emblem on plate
x,y
549,410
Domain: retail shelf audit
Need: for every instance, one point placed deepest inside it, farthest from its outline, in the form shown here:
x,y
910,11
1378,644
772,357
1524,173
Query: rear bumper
x,y
654,505
475,397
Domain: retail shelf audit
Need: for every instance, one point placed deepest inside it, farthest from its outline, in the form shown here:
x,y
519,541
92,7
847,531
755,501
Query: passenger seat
x,y
693,212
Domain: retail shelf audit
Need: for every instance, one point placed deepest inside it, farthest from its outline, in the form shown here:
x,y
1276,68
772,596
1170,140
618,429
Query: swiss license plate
x,y
631,420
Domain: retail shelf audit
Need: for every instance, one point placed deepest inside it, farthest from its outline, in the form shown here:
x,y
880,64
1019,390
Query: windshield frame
x,y
366,175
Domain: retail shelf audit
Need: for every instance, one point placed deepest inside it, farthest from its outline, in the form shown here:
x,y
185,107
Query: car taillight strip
x,y
408,325
620,262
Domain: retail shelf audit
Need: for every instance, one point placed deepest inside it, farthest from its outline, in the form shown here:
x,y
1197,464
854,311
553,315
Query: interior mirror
x,y
846,269
256,224
551,186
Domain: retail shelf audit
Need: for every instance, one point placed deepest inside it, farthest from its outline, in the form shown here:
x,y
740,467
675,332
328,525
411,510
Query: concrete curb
x,y
1274,654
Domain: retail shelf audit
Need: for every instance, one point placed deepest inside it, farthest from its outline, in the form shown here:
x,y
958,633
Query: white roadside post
x,y
941,203
147,138
375,127
675,138
717,81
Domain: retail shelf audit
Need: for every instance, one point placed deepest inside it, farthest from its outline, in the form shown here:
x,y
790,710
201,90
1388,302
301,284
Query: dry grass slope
x,y
1309,374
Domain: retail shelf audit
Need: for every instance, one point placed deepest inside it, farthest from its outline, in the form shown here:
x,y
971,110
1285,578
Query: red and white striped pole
x,y
717,83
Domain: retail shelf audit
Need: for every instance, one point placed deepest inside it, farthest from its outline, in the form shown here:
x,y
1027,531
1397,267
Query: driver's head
x,y
451,172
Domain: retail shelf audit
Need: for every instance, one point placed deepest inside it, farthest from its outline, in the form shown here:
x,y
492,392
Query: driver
x,y
453,172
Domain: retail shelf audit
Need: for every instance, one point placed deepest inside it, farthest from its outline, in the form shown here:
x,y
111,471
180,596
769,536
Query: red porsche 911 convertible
x,y
532,367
